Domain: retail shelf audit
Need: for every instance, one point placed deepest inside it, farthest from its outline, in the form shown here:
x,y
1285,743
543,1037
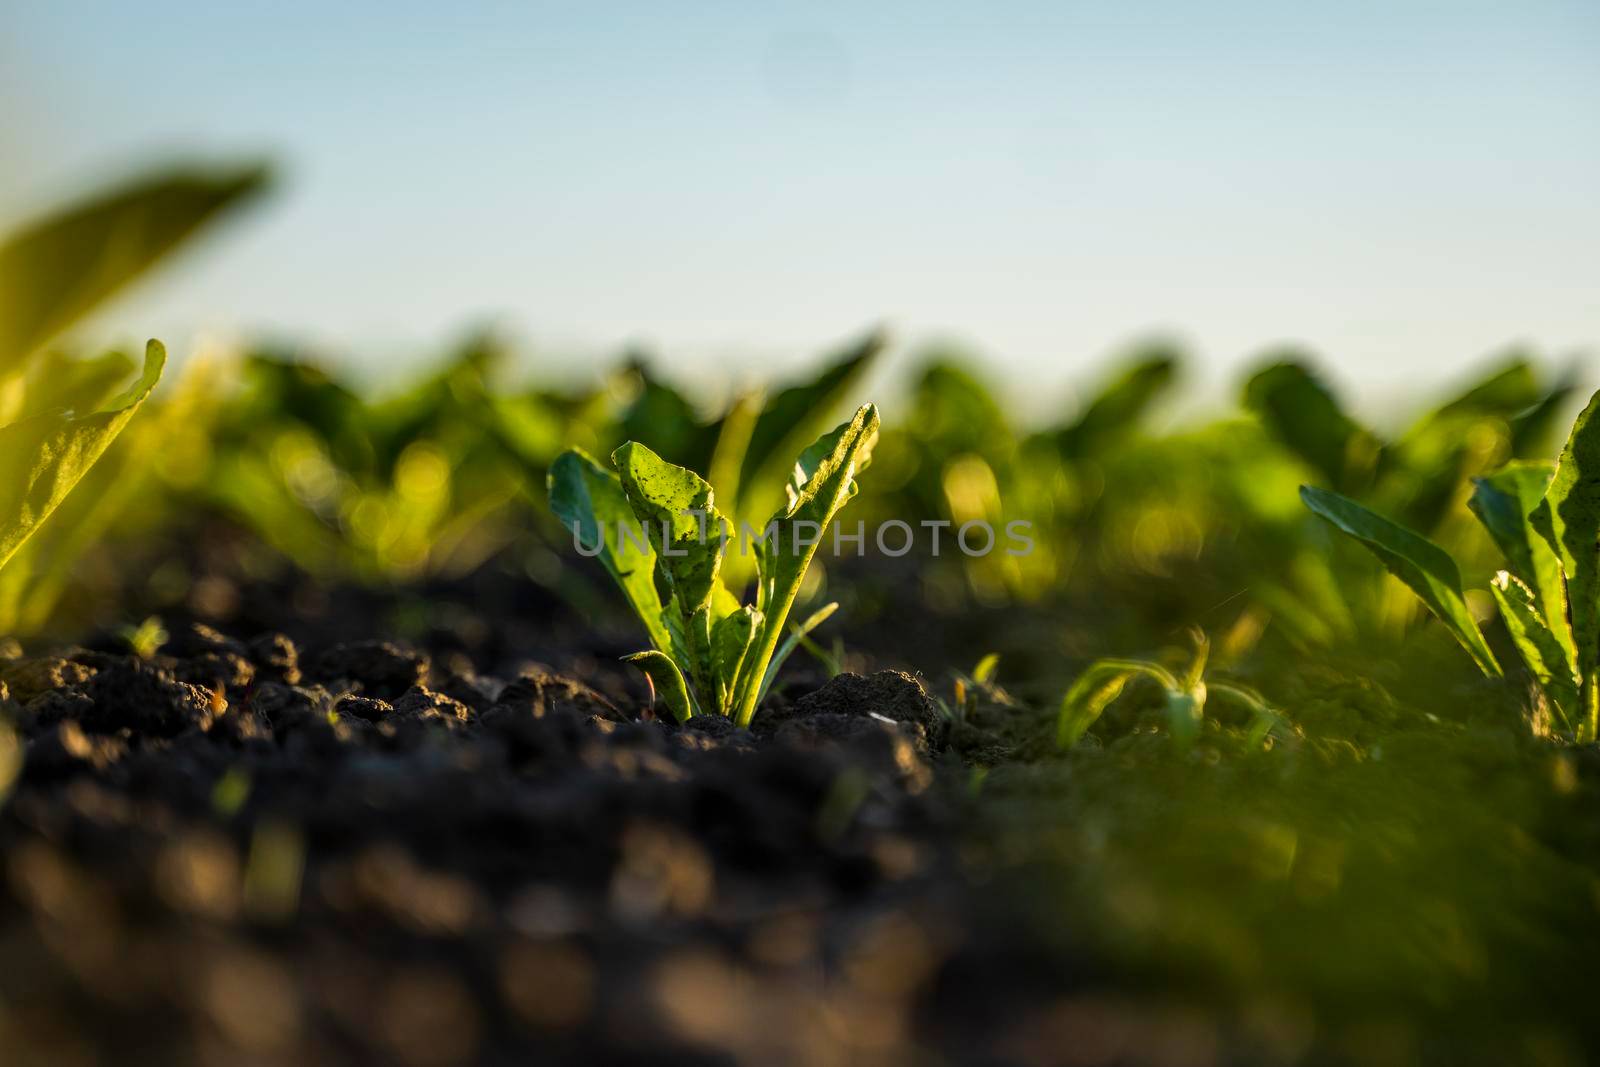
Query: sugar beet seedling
x,y
1546,519
656,529
1185,698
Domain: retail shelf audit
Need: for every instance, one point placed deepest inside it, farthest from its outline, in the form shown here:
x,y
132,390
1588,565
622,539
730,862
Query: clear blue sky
x,y
1404,186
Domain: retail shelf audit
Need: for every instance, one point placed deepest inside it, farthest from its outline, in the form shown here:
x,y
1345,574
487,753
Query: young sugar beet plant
x,y
1183,699
1547,522
655,527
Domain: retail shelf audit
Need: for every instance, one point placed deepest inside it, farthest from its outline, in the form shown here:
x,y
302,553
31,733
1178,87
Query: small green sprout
x,y
146,639
981,681
1185,698
656,528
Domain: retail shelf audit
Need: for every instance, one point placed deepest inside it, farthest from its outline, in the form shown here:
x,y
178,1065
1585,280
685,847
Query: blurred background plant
x,y
260,462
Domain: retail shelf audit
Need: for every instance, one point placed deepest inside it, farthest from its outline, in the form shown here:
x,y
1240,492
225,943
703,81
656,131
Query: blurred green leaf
x,y
1120,405
1469,435
1533,426
1094,690
59,268
42,458
126,492
279,390
54,381
1304,416
1422,565
953,411
664,419
1505,390
798,413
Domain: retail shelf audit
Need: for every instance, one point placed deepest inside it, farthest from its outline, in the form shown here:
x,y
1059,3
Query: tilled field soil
x,y
244,852
249,852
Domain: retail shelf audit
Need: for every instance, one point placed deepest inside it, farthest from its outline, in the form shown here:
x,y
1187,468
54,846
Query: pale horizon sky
x,y
1404,188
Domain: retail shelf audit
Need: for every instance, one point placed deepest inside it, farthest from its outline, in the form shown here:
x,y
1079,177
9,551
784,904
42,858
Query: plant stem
x,y
1590,724
756,666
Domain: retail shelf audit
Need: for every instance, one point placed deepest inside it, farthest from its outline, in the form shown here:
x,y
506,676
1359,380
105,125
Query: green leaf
x,y
1469,435
1422,565
675,506
246,484
43,457
58,269
663,417
828,469
1506,389
1095,689
1119,406
1305,417
954,411
54,382
1265,720
733,447
116,491
1534,425
1504,502
819,452
824,476
589,501
665,680
796,414
1546,657
280,392
694,654
731,638
1568,518
723,603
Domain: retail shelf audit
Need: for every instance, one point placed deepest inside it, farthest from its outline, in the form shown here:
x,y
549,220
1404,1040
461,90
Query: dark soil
x,y
264,849
243,852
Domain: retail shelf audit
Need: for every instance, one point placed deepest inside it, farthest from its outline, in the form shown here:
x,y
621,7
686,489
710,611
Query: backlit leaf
x,y
1569,520
56,270
666,680
828,468
1303,414
675,507
1504,502
1422,565
42,458
1546,658
589,501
